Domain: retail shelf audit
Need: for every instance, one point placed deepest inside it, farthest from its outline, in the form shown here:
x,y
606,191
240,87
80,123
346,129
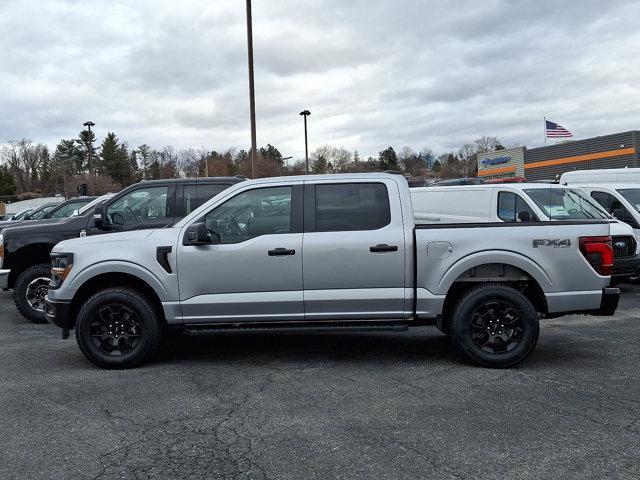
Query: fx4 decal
x,y
552,242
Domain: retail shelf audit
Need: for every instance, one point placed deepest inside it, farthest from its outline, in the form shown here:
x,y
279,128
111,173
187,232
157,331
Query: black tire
x,y
29,291
495,326
124,311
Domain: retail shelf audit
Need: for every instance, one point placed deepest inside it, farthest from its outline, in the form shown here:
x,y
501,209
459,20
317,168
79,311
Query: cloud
x,y
373,74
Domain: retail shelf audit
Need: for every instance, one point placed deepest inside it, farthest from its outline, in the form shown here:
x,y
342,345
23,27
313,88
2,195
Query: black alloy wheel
x,y
496,326
115,329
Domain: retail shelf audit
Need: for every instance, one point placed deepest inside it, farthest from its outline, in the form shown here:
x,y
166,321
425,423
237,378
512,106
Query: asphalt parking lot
x,y
383,406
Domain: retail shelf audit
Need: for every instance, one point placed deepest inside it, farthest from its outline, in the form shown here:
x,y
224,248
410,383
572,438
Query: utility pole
x,y
252,99
305,114
90,124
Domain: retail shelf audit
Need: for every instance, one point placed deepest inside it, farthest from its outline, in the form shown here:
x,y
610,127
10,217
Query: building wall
x,y
501,163
608,151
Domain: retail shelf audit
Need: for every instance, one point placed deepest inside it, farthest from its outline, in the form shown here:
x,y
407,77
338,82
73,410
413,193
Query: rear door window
x,y
351,206
198,194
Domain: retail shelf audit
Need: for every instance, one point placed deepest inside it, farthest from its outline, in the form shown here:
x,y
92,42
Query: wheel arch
x,y
28,256
102,280
494,272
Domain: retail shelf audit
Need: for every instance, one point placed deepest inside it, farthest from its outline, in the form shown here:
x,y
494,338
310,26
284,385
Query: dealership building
x,y
549,162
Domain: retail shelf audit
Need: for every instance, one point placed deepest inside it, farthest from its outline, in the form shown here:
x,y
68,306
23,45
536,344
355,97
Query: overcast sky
x,y
372,73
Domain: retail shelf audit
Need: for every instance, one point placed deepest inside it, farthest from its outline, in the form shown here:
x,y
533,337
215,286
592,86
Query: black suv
x,y
25,249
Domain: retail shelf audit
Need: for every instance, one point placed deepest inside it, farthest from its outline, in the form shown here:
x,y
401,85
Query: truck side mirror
x,y
100,216
196,234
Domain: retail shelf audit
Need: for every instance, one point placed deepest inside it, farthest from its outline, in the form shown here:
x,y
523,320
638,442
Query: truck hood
x,y
30,223
27,227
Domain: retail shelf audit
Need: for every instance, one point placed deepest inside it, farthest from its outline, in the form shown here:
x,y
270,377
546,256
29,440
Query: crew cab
x,y
327,253
25,248
526,202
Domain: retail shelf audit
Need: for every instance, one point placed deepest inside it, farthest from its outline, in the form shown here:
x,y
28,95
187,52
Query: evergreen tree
x,y
68,157
144,152
114,160
7,185
86,143
388,160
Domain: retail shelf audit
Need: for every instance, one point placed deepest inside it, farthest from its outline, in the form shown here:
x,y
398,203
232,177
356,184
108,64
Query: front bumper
x,y
4,279
57,312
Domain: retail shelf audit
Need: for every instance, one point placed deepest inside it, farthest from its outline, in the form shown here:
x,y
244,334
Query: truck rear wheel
x,y
30,290
495,326
118,328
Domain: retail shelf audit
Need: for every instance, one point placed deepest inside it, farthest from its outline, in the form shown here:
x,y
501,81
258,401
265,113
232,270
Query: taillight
x,y
599,253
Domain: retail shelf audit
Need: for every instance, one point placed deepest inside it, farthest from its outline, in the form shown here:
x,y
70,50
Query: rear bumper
x,y
624,268
609,302
4,279
57,312
597,302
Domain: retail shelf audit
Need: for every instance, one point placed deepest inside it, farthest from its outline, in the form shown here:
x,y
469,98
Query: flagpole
x,y
544,124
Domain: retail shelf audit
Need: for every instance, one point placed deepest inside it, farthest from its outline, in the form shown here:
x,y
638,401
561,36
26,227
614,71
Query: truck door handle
x,y
280,251
383,247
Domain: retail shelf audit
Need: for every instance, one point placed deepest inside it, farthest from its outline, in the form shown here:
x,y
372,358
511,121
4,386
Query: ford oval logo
x,y
620,244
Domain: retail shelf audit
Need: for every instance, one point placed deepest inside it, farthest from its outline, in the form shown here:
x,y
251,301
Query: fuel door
x,y
439,250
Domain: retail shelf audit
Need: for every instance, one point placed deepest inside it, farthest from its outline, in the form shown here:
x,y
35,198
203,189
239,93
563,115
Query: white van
x,y
616,189
524,202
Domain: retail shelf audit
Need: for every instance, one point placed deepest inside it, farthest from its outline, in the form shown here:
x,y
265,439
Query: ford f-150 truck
x,y
327,253
24,249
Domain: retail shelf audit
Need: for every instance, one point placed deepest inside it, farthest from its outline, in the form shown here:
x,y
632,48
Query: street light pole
x,y
252,99
305,114
90,124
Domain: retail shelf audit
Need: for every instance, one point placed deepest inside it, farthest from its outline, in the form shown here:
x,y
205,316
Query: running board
x,y
326,328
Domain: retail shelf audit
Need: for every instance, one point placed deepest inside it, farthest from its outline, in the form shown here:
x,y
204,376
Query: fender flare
x,y
119,266
506,257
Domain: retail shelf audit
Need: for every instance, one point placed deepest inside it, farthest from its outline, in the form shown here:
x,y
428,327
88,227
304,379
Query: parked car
x,y
18,216
617,190
506,180
39,212
151,204
458,181
526,202
238,263
50,210
69,207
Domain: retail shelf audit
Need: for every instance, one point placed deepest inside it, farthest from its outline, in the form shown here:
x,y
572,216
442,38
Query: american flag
x,y
556,131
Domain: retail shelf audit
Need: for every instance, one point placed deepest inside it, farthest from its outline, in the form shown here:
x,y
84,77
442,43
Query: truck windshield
x,y
92,203
631,195
38,213
565,204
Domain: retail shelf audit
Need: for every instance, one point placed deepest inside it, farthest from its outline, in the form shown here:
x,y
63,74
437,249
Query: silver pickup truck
x,y
327,253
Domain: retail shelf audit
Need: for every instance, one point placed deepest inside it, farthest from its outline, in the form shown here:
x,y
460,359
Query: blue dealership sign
x,y
495,160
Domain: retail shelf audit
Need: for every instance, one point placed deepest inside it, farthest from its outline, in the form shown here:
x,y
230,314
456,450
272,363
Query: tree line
x,y
28,167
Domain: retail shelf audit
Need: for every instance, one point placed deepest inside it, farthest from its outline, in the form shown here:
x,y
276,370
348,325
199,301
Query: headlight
x,y
1,250
61,265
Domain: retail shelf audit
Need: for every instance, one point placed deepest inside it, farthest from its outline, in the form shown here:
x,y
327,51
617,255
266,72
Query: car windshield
x,y
38,213
565,204
631,195
21,215
91,204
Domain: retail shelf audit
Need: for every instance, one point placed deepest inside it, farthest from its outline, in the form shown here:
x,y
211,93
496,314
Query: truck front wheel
x,y
494,325
118,328
29,292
